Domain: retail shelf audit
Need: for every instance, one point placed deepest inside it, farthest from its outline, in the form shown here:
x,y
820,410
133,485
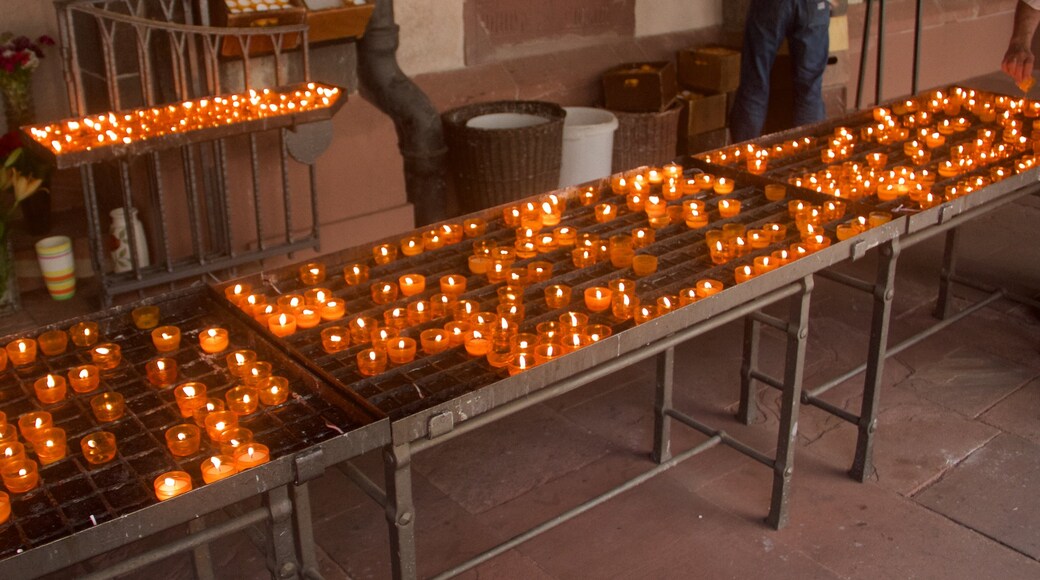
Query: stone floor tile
x,y
511,564
994,492
865,531
1018,413
479,469
916,442
968,380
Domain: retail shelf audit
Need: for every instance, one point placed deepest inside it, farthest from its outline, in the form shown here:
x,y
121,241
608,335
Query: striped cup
x,y
58,266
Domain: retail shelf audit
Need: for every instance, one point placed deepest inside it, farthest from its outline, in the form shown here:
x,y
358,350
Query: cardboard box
x,y
839,33
641,87
344,20
712,69
701,113
221,15
709,141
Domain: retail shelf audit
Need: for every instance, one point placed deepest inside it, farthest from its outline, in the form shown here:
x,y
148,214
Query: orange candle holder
x,y
380,336
742,274
145,317
723,186
281,325
419,312
10,451
401,350
53,342
707,287
20,475
510,295
236,293
457,332
108,406
234,438
84,334
213,340
219,421
546,352
411,245
316,296
242,400
597,298
8,433
644,265
290,303
624,305
50,445
106,356
396,318
573,321
584,257
263,313
371,362
520,363
412,284
432,240
764,264
312,273
171,484
384,254
666,304
441,305
274,391
183,440
597,332
335,339
210,405
474,227
256,373
98,447
453,285
21,352
161,372
775,191
729,208
251,455
465,309
574,341
217,467
384,292
30,424
434,341
479,264
189,396
334,309
355,274
239,362
166,338
361,329
605,212
50,389
645,313
5,507
558,296
477,343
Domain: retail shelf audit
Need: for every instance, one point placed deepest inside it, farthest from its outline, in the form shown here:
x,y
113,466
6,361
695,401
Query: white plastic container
x,y
120,242
588,145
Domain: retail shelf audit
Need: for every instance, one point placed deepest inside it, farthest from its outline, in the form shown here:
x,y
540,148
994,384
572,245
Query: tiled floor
x,y
954,493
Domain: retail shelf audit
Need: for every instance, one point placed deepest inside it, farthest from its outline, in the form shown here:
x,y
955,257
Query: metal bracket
x,y
946,213
440,424
859,249
310,465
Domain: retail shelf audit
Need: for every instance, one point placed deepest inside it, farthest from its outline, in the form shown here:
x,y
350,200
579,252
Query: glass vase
x,y
16,90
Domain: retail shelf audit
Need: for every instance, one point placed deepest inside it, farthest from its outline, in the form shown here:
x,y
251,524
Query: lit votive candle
x,y
213,340
251,455
5,507
623,305
217,467
290,303
84,334
282,325
557,296
452,285
183,440
384,253
243,399
20,475
210,405
707,287
479,264
546,352
474,227
53,342
597,298
775,191
256,373
384,292
108,406
50,389
50,445
361,328
412,284
335,339
98,447
432,240
434,341
264,313
21,352
166,338
274,390
106,356
161,371
763,264
371,362
355,274
477,343
234,438
401,350
418,312
584,257
573,321
457,332
219,421
240,361
723,186
644,265
8,433
316,296
333,309
729,208
189,397
145,317
11,450
312,273
605,212
743,273
171,484
236,293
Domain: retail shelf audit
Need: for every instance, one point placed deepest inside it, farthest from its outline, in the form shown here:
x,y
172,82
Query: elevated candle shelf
x,y
102,137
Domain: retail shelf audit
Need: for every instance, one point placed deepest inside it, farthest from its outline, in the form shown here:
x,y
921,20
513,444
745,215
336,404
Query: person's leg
x,y
766,27
809,41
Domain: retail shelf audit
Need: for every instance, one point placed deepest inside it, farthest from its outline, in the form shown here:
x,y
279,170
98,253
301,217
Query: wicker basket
x,y
646,138
495,166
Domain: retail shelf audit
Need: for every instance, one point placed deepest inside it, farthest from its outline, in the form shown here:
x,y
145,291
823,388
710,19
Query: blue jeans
x,y
805,24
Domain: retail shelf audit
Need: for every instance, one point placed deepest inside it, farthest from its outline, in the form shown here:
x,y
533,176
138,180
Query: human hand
x,y
1018,62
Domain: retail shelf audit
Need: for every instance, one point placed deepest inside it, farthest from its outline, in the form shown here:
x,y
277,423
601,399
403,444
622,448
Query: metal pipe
x,y
864,48
364,482
981,287
420,134
878,93
724,437
577,511
917,48
850,281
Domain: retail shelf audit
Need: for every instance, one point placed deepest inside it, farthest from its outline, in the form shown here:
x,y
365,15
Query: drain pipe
x,y
420,136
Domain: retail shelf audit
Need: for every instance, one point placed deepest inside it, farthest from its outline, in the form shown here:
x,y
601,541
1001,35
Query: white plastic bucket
x,y
588,144
505,121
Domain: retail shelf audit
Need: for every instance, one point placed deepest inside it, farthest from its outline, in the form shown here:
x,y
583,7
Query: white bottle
x,y
119,242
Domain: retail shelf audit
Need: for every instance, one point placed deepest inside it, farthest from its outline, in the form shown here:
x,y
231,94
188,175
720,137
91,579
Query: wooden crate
x,y
347,20
221,15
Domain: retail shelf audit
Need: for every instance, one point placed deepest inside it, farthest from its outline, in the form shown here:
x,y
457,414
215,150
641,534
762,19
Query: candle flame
x,y
221,425
215,461
50,381
166,336
38,422
169,482
91,443
160,365
22,472
21,346
212,333
282,320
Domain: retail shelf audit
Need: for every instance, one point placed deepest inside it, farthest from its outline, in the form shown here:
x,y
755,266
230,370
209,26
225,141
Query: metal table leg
x,y
944,304
282,543
749,368
884,292
304,527
200,555
400,510
783,468
662,404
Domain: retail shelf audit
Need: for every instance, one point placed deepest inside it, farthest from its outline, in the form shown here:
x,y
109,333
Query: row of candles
x,y
126,127
258,386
